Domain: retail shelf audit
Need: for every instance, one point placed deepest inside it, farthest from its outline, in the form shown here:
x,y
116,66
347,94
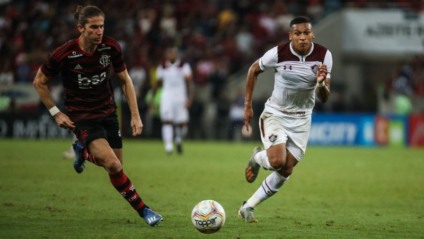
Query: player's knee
x,y
276,161
113,166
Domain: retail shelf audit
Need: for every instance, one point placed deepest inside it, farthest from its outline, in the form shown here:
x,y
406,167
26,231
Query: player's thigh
x,y
272,130
181,114
166,111
113,132
101,149
89,130
298,134
105,155
114,136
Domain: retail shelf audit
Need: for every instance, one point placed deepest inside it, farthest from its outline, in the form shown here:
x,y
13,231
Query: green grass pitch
x,y
335,192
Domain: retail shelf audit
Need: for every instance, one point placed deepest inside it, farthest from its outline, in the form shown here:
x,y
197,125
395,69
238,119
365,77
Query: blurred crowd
x,y
217,37
405,84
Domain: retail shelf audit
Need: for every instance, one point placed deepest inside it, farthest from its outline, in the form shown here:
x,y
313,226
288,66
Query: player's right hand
x,y
63,121
136,126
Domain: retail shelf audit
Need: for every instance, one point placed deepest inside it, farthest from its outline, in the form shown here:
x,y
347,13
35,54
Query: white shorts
x,y
277,128
174,111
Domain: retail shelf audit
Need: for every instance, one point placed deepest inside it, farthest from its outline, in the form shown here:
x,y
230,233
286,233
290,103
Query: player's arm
x,y
323,84
129,92
323,78
252,75
40,85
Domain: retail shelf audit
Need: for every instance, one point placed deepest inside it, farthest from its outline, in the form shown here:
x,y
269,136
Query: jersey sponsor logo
x,y
78,67
104,48
88,83
105,60
74,55
287,66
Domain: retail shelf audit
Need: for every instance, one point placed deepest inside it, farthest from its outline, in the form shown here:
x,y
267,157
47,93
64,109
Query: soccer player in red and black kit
x,y
85,65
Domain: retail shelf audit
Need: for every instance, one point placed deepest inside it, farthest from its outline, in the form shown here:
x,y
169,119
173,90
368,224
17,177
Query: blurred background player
x,y
174,76
302,69
70,153
85,64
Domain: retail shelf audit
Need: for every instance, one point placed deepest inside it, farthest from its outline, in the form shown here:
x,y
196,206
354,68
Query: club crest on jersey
x,y
314,68
105,60
272,138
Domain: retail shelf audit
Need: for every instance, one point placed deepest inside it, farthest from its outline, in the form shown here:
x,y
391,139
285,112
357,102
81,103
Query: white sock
x,y
167,134
269,187
262,159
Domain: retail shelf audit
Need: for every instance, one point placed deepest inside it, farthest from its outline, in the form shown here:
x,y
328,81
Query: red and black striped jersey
x,y
86,78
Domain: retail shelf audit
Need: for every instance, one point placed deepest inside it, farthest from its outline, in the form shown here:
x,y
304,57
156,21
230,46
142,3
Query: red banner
x,y
416,130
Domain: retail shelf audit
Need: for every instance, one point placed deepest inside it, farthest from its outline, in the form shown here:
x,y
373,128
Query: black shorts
x,y
107,128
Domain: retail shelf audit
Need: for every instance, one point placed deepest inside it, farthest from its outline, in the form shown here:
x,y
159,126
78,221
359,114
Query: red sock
x,y
124,186
88,156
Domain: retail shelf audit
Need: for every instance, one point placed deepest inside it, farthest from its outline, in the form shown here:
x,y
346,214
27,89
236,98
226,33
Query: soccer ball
x,y
208,216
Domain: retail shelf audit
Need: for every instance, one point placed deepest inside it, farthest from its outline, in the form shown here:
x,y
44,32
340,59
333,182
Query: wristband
x,y
54,110
321,84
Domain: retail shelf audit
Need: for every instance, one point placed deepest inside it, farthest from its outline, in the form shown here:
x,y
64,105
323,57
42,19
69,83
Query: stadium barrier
x,y
368,130
30,125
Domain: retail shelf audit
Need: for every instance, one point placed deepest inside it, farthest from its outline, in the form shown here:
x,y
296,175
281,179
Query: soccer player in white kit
x,y
302,70
174,75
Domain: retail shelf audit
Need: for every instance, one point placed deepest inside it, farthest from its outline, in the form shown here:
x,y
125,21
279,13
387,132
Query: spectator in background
x,y
403,90
236,116
6,74
418,73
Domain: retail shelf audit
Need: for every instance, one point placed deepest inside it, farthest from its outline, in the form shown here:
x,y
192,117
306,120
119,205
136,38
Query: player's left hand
x,y
63,121
321,73
136,126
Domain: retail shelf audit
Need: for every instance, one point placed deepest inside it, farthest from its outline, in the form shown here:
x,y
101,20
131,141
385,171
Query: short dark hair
x,y
298,20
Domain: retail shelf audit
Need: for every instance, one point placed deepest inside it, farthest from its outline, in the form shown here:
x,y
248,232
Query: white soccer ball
x,y
208,216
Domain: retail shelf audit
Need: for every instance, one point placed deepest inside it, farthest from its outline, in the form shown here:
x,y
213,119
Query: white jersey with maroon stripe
x,y
286,118
173,76
174,91
295,77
